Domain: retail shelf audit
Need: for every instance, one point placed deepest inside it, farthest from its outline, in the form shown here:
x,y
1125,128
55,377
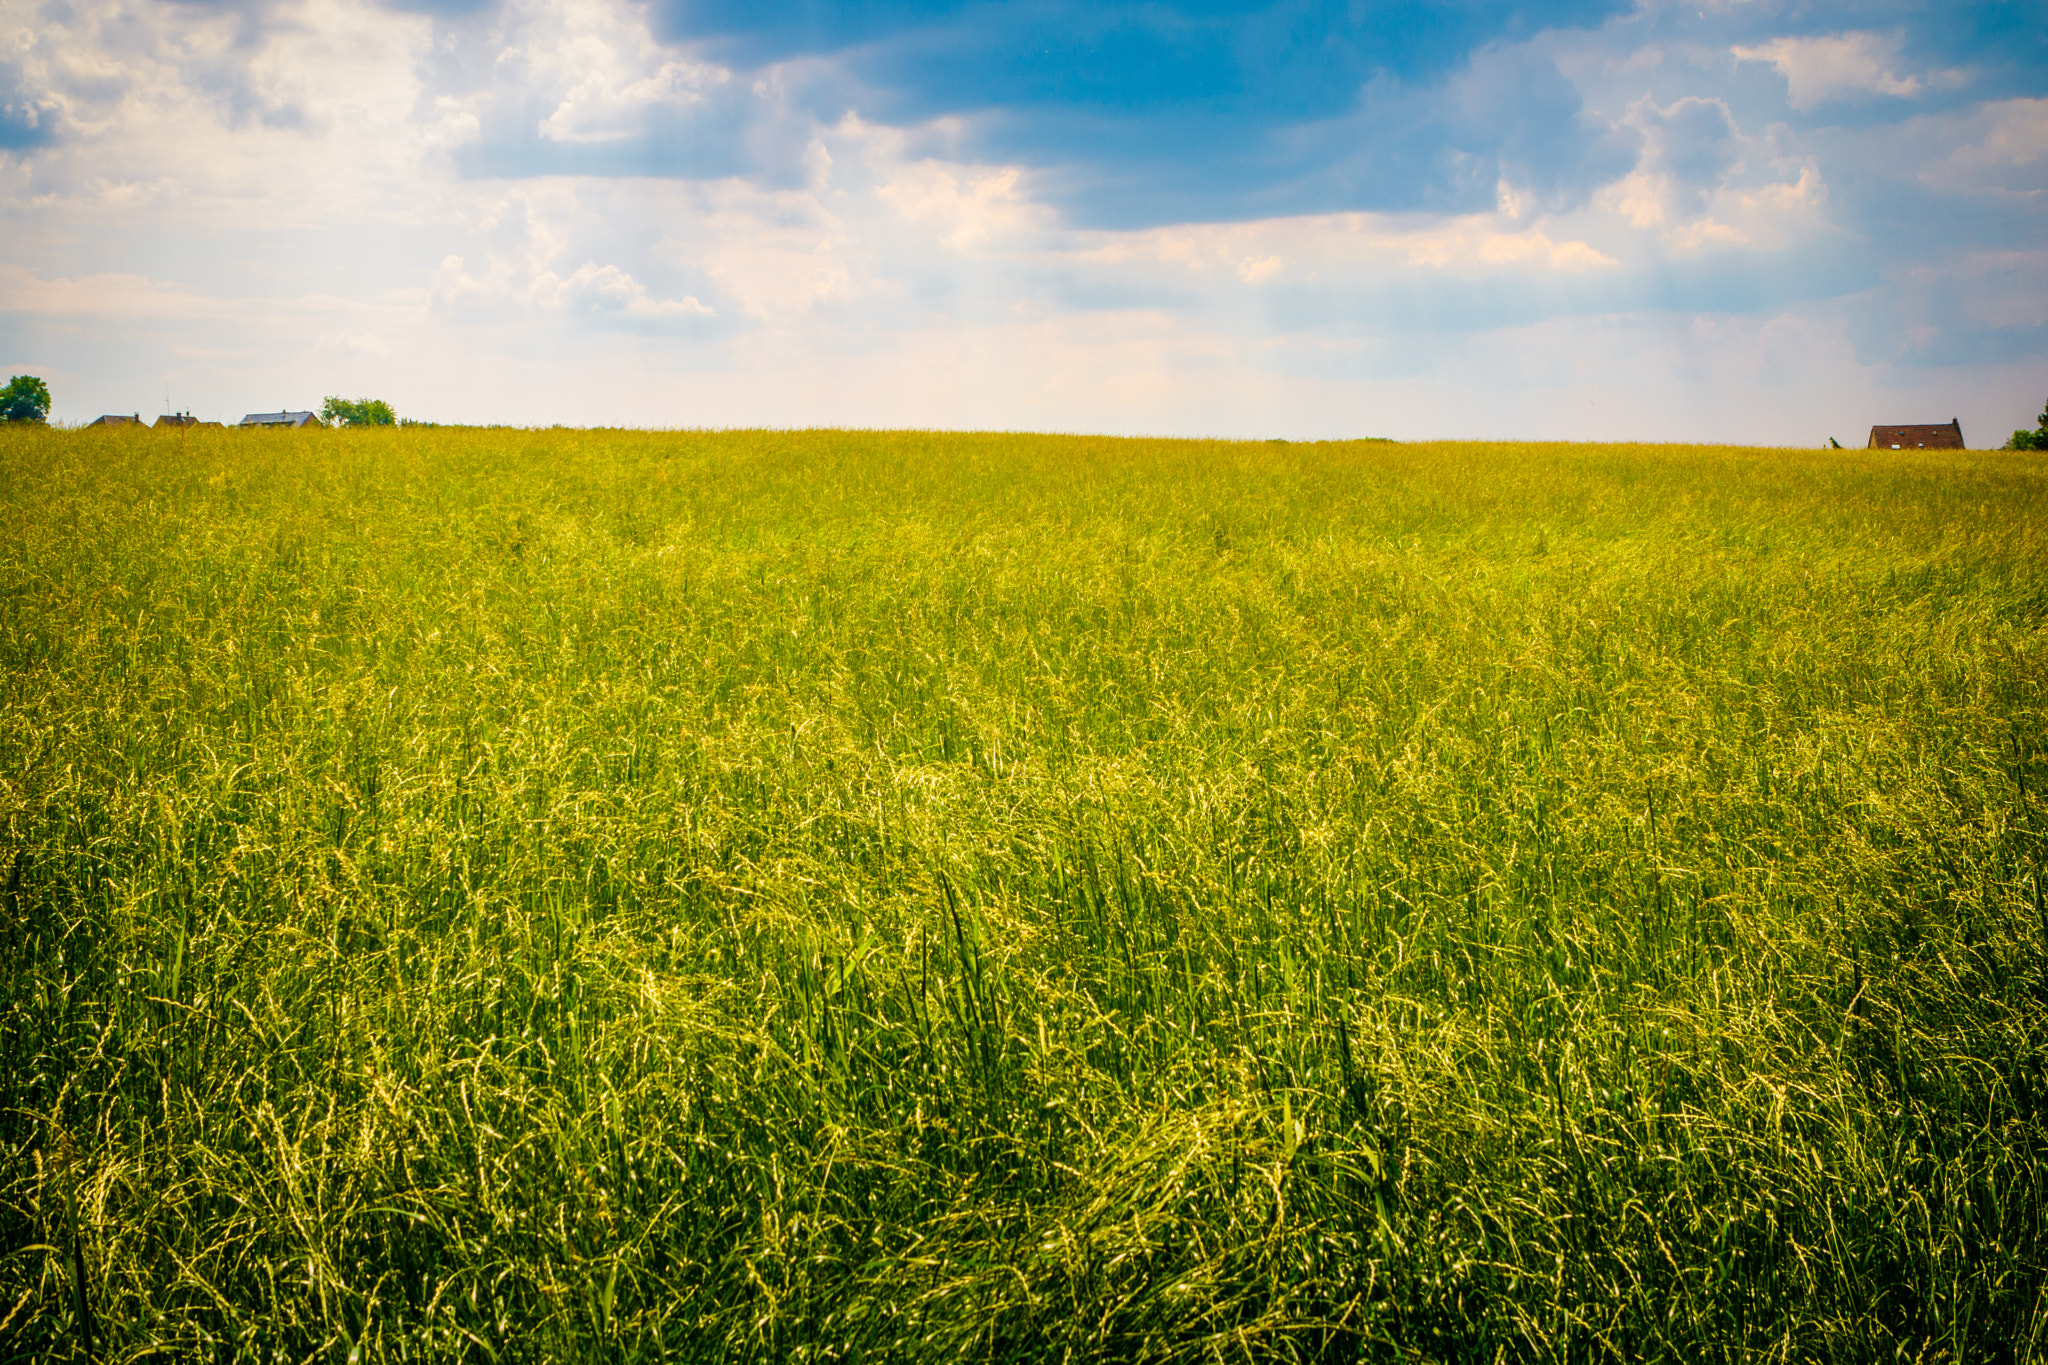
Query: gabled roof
x,y
278,419
1938,436
116,419
177,419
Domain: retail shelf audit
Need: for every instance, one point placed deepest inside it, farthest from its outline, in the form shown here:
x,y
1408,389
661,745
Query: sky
x,y
1758,221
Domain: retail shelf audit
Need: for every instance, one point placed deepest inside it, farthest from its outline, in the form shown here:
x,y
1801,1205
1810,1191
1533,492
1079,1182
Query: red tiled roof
x,y
1940,436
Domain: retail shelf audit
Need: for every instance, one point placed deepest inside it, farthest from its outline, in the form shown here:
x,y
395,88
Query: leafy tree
x,y
360,412
25,399
2036,439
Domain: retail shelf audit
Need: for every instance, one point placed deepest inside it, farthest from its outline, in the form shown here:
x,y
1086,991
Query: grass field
x,y
830,896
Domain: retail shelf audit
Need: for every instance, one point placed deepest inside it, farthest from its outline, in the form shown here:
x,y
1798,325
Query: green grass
x,y
846,896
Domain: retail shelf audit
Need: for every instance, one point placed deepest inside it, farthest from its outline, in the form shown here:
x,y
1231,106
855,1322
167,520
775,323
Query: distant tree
x,y
2036,439
25,399
360,412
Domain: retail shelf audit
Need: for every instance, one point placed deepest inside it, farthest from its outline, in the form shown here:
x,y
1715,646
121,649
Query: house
x,y
280,419
178,419
1938,437
116,419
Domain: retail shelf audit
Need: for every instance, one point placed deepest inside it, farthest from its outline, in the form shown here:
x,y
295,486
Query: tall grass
x,y
907,896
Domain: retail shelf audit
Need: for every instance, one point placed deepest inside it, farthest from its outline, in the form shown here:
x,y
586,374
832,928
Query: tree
x,y
2036,439
360,412
25,399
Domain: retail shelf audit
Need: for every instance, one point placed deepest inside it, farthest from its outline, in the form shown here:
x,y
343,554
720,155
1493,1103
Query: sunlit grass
x,y
913,896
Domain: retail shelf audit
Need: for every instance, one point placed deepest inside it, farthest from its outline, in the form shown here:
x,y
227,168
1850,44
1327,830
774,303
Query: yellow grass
x,y
906,895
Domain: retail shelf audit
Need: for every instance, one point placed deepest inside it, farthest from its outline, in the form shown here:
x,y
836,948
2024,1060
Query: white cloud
x,y
599,64
1343,246
1700,181
1820,69
1999,148
344,198
968,206
600,290
778,273
201,110
609,289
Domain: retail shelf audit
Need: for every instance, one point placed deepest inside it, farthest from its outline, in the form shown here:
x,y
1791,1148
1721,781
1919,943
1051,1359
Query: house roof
x,y
116,419
277,419
1936,436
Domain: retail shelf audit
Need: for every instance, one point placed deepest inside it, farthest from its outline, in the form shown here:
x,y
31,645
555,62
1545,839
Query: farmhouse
x,y
280,419
116,419
1947,436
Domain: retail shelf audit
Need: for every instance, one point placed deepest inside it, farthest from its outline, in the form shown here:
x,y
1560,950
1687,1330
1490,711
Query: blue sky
x,y
1740,220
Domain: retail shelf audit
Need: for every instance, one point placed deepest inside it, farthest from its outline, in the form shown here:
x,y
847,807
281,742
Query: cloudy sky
x,y
1745,220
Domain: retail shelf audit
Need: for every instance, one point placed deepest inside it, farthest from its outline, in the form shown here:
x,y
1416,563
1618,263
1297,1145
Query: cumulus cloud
x,y
608,289
1998,148
1700,180
1135,115
1819,69
598,291
1691,147
968,207
599,65
920,218
203,107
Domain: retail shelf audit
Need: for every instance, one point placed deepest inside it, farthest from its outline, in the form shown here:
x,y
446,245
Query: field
x,y
843,896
